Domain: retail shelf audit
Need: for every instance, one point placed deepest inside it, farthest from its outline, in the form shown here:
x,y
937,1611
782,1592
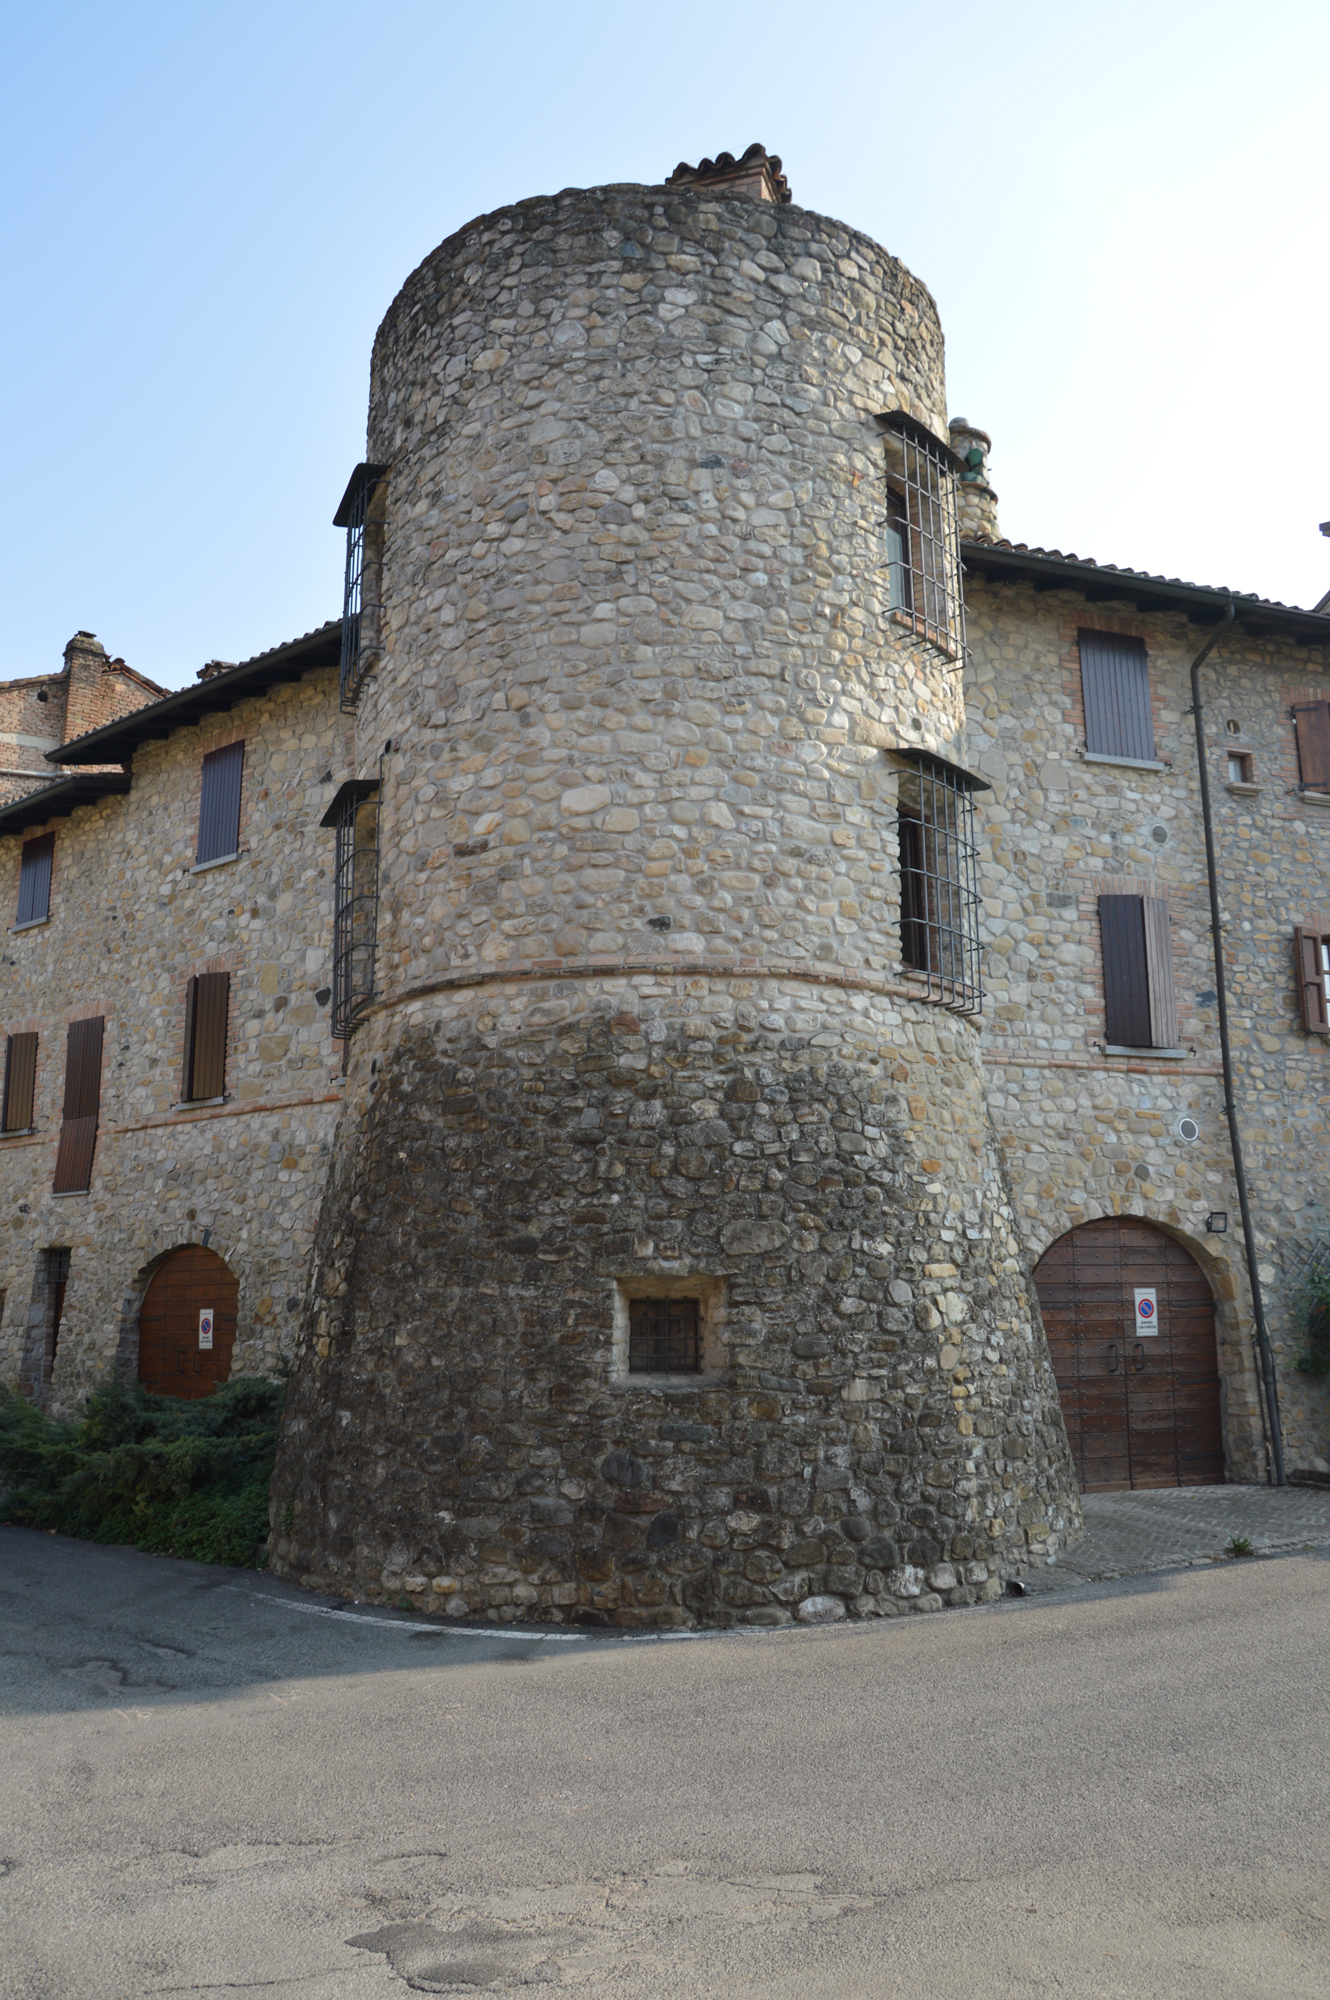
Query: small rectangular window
x,y
664,1337
34,880
1115,681
1140,1006
1240,768
1311,721
83,1089
219,804
1311,954
20,1078
207,1000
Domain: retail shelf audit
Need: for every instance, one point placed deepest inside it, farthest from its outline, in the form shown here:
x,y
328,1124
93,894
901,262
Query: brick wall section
x,y
1087,1135
129,923
38,714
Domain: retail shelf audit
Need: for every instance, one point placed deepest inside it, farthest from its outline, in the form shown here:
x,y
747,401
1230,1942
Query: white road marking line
x,y
460,1631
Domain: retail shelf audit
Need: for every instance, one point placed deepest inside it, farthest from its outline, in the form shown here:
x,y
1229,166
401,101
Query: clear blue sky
x,y
1121,211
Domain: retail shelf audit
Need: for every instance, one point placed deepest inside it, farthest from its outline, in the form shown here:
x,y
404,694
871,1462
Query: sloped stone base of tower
x,y
875,1427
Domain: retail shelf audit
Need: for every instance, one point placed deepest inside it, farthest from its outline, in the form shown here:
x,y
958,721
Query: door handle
x,y
1112,1357
1140,1349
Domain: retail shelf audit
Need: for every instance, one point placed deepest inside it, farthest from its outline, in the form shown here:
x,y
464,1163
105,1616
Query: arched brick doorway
x,y
1139,1412
193,1294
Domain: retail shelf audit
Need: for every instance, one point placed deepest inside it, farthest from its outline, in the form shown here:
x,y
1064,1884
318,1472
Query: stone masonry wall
x,y
129,924
1085,1134
643,1020
876,1428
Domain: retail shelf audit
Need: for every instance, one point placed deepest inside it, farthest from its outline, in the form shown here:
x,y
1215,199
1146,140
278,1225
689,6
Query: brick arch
x,y
1139,1411
187,1282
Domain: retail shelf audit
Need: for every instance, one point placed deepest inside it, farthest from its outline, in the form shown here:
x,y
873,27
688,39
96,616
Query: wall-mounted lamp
x,y
1217,1224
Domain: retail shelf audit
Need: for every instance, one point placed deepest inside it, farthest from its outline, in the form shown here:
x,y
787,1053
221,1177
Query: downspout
x,y
1265,1353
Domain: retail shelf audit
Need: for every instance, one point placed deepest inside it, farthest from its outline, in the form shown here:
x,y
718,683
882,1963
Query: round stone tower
x,y
666,1271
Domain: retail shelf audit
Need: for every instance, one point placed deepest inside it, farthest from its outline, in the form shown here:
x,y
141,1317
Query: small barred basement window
x,y
664,1337
362,513
922,535
354,814
940,879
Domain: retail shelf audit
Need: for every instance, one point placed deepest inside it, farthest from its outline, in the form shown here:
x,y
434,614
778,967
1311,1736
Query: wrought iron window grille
x,y
921,533
940,879
664,1337
362,513
354,815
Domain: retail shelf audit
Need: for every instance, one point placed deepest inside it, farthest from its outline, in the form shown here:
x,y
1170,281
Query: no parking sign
x,y
1147,1312
205,1327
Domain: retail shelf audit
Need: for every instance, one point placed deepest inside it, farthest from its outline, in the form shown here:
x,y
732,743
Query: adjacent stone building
x,y
44,711
630,1026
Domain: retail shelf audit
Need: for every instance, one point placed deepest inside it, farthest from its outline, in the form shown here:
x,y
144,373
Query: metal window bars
x,y
354,814
664,1337
922,534
940,878
361,513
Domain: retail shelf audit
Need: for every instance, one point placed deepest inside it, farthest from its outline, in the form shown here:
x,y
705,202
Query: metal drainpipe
x,y
1263,1348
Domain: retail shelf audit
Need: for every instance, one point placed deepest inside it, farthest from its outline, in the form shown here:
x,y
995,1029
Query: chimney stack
x,y
757,175
976,500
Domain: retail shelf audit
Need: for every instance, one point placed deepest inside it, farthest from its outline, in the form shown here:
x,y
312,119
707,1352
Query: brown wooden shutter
x,y
34,880
1115,681
191,1015
83,1089
219,803
210,998
20,1077
1311,982
1126,972
1311,720
1159,973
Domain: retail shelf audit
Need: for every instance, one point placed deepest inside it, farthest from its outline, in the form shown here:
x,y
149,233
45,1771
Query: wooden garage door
x,y
1138,1412
193,1285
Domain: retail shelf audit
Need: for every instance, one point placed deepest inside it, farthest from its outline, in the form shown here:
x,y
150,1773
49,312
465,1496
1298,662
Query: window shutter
x,y
1312,722
1126,975
20,1077
1307,958
1115,681
219,803
1159,973
83,1087
191,1016
34,880
208,1066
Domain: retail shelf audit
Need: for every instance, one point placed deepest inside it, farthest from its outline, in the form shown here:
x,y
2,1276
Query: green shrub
x,y
176,1478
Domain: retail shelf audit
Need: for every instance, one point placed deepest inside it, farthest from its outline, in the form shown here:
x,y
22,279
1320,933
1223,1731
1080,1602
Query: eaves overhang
x,y
59,800
1103,583
116,742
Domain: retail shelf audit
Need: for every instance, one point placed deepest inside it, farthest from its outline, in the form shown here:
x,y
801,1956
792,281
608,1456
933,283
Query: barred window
x,y
664,1337
354,814
939,878
361,513
922,534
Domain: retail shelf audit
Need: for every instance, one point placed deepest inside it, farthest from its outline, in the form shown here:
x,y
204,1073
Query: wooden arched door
x,y
1141,1407
187,1324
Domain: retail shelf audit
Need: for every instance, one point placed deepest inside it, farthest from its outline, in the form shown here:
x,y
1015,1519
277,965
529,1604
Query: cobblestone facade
x,y
129,924
1085,1134
639,672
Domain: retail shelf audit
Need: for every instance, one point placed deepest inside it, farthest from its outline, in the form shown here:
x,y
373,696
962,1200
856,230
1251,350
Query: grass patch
x,y
1237,1545
176,1478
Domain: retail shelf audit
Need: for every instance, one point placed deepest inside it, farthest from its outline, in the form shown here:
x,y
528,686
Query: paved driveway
x,y
208,1787
1131,1534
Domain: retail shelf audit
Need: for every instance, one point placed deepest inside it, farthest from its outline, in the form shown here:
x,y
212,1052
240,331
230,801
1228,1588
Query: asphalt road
x,y
209,1788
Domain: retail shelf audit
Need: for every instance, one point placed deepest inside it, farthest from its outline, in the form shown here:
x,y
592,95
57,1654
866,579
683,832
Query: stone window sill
x,y
69,1194
649,1380
201,1103
1127,763
1156,1055
19,1132
1244,791
1315,798
37,922
221,861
